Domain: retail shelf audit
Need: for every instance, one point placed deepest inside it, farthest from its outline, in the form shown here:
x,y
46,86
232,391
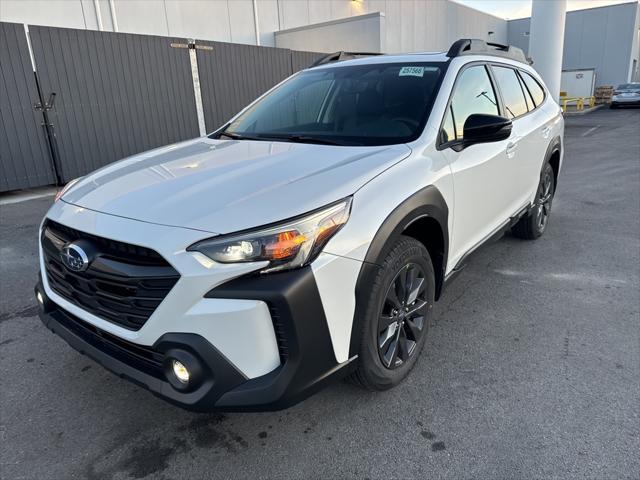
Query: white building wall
x,y
603,38
363,33
411,25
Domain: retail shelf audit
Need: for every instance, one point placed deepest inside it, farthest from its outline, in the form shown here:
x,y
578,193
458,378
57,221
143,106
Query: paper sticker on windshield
x,y
411,72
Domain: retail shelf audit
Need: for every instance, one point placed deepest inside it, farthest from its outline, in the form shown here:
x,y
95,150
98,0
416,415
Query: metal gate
x,y
24,157
117,94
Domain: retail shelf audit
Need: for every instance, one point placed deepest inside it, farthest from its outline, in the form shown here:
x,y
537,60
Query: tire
x,y
613,106
377,368
534,223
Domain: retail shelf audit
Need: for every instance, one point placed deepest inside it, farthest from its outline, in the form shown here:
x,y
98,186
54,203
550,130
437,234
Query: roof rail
x,y
474,46
340,56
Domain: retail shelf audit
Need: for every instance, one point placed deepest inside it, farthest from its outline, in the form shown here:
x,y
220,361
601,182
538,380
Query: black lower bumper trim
x,y
143,365
307,366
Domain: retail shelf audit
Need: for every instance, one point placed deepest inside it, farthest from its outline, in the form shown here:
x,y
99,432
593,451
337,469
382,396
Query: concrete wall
x,y
418,25
411,25
603,38
363,33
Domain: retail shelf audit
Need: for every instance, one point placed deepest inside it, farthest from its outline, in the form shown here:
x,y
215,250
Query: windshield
x,y
377,104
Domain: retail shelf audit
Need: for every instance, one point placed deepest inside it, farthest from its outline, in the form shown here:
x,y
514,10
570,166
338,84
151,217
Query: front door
x,y
483,192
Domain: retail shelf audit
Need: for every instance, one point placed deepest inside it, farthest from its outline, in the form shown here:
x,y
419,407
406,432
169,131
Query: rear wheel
x,y
397,316
534,223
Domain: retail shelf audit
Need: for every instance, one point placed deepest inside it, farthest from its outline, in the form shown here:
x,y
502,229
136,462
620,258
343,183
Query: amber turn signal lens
x,y
286,245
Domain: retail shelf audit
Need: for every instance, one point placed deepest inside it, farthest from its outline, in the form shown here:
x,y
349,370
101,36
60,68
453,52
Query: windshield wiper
x,y
303,139
237,136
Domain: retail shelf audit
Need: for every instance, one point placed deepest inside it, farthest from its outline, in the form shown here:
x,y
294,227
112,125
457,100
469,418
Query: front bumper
x,y
618,100
307,358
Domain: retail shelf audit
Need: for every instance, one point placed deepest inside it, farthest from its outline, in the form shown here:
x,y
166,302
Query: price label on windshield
x,y
411,72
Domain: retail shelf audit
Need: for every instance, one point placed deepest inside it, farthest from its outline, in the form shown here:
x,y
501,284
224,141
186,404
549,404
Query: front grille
x,y
140,357
123,284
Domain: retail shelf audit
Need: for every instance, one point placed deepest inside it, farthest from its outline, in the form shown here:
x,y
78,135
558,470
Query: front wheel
x,y
397,316
534,223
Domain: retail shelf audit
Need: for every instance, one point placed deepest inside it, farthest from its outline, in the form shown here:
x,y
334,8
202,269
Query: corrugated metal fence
x,y
24,156
116,94
259,68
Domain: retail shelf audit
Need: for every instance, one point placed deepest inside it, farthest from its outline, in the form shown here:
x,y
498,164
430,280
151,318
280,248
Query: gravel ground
x,y
531,369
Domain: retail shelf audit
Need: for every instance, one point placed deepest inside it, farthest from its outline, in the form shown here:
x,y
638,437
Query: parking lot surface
x,y
531,370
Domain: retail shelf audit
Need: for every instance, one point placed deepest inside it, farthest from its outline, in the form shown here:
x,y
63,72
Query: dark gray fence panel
x,y
302,60
24,154
117,94
232,76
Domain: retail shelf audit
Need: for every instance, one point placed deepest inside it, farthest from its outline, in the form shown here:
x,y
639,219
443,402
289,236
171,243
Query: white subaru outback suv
x,y
307,239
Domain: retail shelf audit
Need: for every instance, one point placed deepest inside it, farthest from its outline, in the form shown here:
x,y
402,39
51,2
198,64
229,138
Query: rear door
x,y
483,192
542,125
529,137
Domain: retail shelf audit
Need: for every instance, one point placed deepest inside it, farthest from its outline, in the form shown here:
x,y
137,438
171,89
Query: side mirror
x,y
482,128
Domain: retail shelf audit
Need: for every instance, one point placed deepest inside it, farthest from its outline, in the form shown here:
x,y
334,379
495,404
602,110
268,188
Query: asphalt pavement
x,y
531,369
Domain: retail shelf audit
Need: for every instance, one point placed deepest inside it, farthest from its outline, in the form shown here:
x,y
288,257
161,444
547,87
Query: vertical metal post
x,y
96,5
193,57
255,21
114,18
44,106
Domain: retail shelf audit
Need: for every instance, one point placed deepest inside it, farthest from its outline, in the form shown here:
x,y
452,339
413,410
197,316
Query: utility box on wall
x,y
578,83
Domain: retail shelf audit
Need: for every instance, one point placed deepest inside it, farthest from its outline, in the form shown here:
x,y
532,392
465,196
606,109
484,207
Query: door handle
x,y
511,149
545,132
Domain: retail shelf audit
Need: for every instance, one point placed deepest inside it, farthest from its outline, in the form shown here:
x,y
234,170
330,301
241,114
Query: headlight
x,y
66,188
290,245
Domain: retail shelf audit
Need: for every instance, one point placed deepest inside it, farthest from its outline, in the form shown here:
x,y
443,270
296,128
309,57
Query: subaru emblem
x,y
74,258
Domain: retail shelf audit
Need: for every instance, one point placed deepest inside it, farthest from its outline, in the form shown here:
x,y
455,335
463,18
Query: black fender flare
x,y
427,202
555,145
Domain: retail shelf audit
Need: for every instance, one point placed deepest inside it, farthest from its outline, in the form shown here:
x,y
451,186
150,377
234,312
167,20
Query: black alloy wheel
x,y
395,314
534,223
402,319
544,199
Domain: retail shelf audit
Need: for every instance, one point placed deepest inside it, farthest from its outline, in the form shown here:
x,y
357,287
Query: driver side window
x,y
473,93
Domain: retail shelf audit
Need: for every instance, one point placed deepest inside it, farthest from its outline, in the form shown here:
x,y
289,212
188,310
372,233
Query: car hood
x,y
226,186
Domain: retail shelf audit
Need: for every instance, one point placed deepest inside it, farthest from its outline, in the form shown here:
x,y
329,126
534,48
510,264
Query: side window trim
x,y
531,106
453,120
502,109
527,93
444,145
544,92
522,87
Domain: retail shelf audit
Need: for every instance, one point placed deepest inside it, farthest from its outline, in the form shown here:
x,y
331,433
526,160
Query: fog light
x,y
180,371
40,298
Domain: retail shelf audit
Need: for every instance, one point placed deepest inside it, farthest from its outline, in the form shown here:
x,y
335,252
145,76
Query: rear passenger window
x,y
534,88
512,94
473,94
